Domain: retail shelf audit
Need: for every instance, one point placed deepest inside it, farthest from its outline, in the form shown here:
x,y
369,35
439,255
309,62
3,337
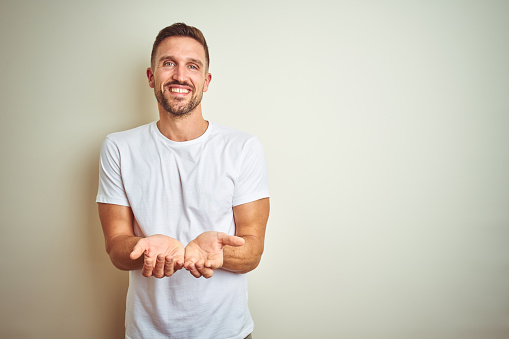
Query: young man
x,y
183,198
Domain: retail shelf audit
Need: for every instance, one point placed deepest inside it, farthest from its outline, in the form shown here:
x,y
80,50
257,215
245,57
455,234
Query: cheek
x,y
159,83
205,86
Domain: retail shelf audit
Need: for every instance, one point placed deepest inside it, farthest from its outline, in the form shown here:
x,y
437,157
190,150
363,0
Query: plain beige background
x,y
386,128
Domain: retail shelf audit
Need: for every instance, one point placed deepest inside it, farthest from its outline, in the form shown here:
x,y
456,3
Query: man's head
x,y
179,69
180,29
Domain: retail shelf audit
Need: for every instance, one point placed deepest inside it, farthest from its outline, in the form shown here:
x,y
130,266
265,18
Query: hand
x,y
205,253
163,255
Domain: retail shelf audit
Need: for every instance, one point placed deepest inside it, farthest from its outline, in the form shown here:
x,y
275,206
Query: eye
x,y
193,67
168,63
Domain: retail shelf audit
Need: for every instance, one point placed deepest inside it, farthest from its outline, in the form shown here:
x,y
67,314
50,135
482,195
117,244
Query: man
x,y
183,192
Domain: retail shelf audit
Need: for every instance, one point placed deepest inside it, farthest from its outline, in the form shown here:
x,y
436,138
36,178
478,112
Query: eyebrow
x,y
170,57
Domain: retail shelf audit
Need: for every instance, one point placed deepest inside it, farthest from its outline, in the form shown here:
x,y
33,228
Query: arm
x,y
119,236
240,253
250,223
162,255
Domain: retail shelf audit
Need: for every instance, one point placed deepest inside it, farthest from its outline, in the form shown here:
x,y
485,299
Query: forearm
x,y
119,249
244,258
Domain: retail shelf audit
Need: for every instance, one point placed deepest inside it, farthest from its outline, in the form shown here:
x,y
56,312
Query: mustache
x,y
176,82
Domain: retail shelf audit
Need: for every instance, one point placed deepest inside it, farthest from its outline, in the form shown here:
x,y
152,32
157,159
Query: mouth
x,y
179,89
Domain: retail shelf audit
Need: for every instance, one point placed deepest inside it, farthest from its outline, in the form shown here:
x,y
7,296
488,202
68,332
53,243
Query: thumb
x,y
230,240
138,249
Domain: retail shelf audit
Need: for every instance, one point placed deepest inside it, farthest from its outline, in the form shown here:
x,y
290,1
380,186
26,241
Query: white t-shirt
x,y
182,189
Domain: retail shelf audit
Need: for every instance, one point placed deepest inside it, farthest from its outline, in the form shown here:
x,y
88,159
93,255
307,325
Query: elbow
x,y
251,264
109,248
114,256
118,265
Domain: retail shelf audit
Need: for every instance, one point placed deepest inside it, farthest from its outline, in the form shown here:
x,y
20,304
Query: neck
x,y
182,128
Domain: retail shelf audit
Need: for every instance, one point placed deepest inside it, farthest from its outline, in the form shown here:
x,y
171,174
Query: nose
x,y
179,73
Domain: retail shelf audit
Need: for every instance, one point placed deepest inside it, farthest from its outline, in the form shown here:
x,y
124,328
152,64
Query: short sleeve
x,y
111,188
252,182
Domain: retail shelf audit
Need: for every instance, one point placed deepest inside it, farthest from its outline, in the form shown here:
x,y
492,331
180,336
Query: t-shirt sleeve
x,y
252,183
111,187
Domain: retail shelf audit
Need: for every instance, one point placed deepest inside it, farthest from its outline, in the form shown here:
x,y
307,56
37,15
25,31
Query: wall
x,y
386,128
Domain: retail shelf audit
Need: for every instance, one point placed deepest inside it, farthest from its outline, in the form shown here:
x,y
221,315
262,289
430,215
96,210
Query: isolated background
x,y
386,128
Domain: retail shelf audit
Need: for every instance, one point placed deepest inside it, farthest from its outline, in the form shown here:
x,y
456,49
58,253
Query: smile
x,y
179,90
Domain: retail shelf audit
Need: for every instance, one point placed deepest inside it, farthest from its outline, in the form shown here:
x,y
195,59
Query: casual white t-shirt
x,y
182,189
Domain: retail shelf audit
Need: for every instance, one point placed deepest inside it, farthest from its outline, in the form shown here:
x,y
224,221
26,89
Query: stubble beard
x,y
178,108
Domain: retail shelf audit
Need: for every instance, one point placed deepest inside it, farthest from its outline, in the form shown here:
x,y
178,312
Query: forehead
x,y
180,47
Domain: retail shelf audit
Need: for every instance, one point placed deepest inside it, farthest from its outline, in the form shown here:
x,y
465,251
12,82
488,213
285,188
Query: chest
x,y
195,178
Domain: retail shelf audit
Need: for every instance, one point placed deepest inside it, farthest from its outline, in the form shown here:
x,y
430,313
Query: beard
x,y
179,107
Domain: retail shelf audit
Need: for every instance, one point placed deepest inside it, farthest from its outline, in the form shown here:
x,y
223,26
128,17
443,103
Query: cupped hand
x,y
163,255
204,254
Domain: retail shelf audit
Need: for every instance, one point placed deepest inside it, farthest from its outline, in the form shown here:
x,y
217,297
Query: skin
x,y
179,64
180,60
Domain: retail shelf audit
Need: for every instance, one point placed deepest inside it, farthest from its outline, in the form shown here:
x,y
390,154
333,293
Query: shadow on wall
x,y
108,284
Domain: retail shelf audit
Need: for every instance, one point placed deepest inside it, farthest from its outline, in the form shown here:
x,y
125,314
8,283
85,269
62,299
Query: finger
x,y
169,266
138,249
195,273
178,263
159,267
188,263
213,264
199,264
148,267
191,267
230,240
206,272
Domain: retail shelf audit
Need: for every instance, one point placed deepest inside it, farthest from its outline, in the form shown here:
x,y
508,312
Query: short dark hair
x,y
180,29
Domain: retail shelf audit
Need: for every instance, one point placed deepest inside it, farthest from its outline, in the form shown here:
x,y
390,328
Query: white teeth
x,y
179,90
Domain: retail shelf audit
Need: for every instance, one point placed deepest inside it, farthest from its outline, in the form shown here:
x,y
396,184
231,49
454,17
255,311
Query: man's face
x,y
179,75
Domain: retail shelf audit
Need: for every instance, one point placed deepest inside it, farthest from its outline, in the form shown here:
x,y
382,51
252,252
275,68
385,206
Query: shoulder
x,y
235,144
131,135
231,135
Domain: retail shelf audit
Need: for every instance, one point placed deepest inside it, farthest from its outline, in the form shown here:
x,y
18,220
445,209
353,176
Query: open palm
x,y
205,253
163,255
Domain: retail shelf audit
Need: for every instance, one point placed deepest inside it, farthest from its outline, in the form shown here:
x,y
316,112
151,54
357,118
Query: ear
x,y
150,77
208,78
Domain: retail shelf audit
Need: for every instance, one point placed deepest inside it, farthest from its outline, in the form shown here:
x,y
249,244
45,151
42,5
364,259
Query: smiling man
x,y
184,204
